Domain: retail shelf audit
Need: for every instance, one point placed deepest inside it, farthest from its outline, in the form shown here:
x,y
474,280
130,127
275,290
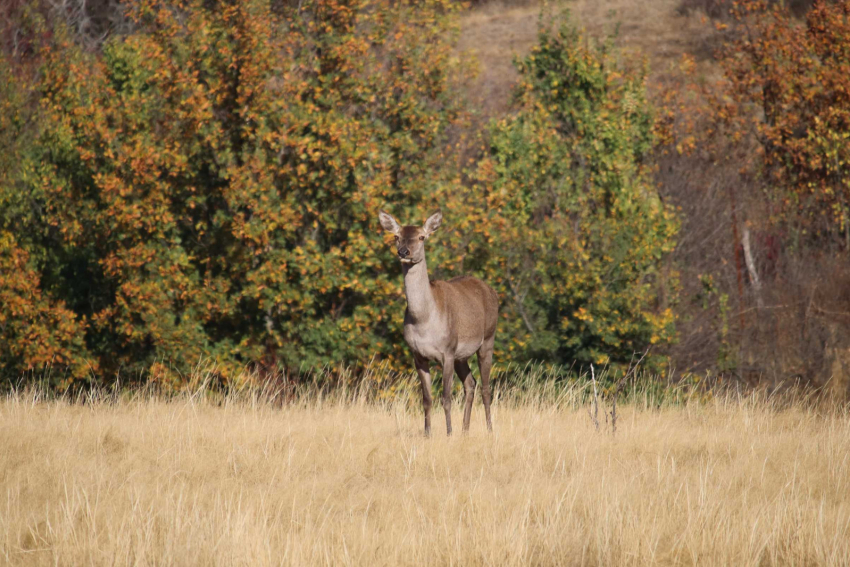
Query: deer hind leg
x,y
424,371
468,380
448,381
485,363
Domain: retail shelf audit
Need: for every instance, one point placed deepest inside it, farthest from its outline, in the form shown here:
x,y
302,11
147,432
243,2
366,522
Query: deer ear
x,y
389,223
433,223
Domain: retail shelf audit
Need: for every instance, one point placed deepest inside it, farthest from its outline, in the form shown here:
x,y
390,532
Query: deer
x,y
445,322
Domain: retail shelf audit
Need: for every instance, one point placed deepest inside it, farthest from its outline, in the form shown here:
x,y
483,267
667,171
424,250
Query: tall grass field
x,y
342,478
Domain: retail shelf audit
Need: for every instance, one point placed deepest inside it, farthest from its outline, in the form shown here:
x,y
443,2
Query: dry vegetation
x,y
496,32
344,482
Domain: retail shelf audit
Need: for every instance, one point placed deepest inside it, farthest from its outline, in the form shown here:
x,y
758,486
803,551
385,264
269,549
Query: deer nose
x,y
403,252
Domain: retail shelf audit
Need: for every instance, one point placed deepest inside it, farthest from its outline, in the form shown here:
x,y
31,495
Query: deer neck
x,y
417,289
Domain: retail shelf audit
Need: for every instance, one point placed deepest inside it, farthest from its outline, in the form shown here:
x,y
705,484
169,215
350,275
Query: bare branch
x,y
751,265
519,303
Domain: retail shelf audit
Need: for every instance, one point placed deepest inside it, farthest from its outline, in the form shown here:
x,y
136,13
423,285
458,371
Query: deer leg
x,y
448,380
424,371
485,363
468,380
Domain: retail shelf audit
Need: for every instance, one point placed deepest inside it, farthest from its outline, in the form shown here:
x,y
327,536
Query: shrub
x,y
758,173
36,331
582,232
206,185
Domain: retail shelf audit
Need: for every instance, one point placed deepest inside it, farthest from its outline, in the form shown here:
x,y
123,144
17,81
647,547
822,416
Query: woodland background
x,y
197,182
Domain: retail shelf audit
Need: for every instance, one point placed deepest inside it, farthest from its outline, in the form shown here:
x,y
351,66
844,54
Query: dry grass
x,y
497,31
188,482
494,34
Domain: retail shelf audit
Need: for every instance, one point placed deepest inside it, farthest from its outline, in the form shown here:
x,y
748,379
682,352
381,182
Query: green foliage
x,y
583,233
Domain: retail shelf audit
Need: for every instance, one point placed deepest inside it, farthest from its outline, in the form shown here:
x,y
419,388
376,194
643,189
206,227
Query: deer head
x,y
410,240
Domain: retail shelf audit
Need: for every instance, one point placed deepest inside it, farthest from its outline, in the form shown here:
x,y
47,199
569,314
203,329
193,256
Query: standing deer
x,y
445,321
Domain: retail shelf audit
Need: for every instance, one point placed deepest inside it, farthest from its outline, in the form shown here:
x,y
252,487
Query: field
x,y
345,477
342,481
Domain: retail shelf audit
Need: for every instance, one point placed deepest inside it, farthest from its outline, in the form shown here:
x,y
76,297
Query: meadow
x,y
343,478
157,209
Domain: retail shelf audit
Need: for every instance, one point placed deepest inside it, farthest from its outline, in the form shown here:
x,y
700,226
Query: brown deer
x,y
445,321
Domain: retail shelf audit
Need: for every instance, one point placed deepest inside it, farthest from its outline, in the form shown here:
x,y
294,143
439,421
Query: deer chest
x,y
430,343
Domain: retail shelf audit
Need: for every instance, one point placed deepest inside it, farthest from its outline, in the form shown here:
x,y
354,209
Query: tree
x,y
788,83
205,187
583,234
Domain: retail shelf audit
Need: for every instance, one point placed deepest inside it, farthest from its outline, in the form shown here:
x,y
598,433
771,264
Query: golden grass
x,y
149,481
497,31
494,34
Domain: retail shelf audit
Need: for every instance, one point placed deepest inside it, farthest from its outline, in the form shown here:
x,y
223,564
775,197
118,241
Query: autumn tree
x,y
204,188
788,84
757,164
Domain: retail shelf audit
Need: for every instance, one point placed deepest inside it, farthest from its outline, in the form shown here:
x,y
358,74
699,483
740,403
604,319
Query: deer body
x,y
446,322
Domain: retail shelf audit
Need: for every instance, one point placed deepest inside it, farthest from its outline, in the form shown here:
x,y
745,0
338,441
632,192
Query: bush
x,y
582,232
36,331
205,186
724,9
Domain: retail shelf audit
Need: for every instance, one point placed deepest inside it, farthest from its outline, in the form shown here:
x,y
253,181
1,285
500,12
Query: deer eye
x,y
421,238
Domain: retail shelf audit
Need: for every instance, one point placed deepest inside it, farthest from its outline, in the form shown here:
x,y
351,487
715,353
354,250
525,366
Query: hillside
x,y
495,32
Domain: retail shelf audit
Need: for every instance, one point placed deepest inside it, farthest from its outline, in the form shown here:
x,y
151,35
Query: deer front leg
x,y
448,379
424,371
